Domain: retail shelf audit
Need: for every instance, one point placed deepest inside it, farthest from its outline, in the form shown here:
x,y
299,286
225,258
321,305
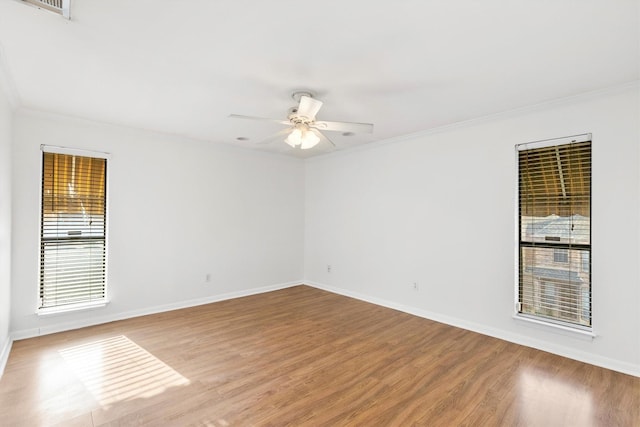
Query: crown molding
x,y
515,112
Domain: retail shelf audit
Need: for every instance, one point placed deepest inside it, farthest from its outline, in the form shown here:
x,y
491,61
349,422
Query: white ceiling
x,y
182,67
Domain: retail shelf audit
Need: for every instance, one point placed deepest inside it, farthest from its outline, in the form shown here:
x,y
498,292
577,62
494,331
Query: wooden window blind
x,y
555,231
72,230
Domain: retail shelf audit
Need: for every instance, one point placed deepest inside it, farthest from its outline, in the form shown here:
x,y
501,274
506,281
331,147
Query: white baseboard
x,y
4,354
592,359
604,362
97,320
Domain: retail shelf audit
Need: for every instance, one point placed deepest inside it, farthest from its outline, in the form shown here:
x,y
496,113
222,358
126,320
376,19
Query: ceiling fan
x,y
303,129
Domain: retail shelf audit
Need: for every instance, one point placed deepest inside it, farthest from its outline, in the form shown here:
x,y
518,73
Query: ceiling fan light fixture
x,y
294,138
309,140
301,136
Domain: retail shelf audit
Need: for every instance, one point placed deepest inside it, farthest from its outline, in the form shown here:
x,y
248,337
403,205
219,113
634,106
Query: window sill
x,y
553,327
51,311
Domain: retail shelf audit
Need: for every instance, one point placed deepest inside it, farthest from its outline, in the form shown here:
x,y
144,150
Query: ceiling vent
x,y
61,7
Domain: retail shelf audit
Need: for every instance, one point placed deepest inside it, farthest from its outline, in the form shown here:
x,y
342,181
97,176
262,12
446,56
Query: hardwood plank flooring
x,y
301,356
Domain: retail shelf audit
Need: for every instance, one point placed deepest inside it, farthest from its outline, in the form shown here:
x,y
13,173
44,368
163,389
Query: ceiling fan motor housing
x,y
296,119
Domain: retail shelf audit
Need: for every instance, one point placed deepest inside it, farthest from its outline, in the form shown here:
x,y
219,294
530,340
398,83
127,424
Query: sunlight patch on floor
x,y
117,369
545,397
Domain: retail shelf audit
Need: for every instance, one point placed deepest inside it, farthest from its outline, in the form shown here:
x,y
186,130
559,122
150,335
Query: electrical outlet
x,y
415,286
328,268
207,278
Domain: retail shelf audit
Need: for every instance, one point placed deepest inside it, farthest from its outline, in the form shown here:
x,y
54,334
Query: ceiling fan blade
x,y
322,137
309,107
343,126
264,119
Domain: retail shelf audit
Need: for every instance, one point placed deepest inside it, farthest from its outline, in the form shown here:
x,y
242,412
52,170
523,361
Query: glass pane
x,y
72,271
554,286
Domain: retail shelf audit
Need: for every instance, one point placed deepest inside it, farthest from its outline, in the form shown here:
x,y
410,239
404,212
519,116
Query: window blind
x,y
73,230
555,232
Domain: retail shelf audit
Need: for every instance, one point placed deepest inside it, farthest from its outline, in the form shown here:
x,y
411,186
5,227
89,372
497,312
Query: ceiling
x,y
181,67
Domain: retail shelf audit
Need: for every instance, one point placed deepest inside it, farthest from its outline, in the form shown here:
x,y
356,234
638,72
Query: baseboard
x,y
592,359
604,362
97,320
4,354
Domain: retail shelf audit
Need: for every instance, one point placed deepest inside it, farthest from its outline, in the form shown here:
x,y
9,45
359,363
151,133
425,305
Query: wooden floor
x,y
301,356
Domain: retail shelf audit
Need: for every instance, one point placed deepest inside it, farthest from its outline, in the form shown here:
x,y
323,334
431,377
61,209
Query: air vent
x,y
60,7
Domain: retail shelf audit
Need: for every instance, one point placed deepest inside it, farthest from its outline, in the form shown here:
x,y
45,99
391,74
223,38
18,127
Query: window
x,y
72,229
561,256
554,216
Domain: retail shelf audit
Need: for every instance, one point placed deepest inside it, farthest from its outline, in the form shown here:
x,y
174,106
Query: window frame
x,y
532,318
45,311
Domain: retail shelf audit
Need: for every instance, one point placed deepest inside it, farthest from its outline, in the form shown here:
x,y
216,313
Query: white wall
x,y
178,209
439,209
5,223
